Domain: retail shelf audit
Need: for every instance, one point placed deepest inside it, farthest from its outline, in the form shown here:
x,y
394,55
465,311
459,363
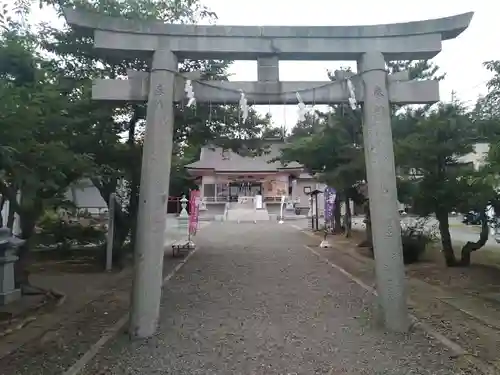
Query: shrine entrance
x,y
370,46
243,189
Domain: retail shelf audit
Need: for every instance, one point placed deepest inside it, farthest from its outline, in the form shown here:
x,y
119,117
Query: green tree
x,y
53,134
328,145
434,144
38,124
417,69
107,123
334,144
486,116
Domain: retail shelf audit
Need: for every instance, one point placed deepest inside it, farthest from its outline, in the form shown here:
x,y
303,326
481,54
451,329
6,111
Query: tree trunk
x,y
368,242
348,218
21,273
119,237
444,230
337,215
134,206
2,204
470,247
11,217
135,177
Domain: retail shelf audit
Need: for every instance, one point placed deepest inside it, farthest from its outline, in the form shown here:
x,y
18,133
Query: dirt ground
x,y
462,304
61,330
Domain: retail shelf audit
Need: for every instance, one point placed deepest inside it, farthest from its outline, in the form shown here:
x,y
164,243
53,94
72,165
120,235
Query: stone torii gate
x,y
370,46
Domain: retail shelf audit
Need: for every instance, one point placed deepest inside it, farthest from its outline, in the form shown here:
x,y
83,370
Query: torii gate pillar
x,y
153,198
382,192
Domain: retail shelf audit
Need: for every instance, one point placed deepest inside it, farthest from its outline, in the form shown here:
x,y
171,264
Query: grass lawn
x,y
472,228
488,255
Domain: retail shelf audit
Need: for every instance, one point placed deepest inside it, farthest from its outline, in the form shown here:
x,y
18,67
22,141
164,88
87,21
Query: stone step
x,y
288,217
247,215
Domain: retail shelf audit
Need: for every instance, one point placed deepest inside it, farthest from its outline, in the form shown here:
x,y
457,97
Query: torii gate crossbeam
x,y
136,88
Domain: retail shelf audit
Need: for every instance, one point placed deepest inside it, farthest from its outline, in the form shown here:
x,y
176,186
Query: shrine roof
x,y
220,160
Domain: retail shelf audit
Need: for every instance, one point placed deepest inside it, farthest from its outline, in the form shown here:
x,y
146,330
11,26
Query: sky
x,y
461,59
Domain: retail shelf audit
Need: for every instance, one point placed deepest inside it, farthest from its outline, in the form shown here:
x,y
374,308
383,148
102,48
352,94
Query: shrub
x,y
52,229
416,234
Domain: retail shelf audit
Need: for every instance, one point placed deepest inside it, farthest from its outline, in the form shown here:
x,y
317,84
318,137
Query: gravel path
x,y
253,300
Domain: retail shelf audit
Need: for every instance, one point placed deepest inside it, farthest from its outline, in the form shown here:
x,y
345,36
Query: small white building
x,y
83,194
86,196
477,158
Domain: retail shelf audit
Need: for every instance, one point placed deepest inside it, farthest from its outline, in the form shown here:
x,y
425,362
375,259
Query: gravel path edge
x,y
416,322
113,331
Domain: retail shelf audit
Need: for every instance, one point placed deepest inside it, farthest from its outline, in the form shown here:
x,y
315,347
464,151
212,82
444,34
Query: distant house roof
x,y
222,160
476,157
305,175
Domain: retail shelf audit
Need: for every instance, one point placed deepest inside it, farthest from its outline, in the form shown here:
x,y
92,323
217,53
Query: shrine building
x,y
226,176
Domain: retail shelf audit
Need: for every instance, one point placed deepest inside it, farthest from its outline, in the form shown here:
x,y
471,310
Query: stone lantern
x,y
183,218
8,248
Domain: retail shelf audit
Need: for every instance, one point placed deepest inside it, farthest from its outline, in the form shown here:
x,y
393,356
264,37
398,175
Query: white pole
x,y
155,178
111,232
281,209
254,209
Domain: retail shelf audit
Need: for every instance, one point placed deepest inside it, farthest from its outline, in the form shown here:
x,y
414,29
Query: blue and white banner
x,y
330,195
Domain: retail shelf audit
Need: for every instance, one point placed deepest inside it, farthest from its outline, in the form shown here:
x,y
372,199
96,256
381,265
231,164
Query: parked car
x,y
471,218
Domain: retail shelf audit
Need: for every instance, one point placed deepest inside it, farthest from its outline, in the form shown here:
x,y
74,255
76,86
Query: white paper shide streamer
x,y
352,95
188,88
302,107
243,107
